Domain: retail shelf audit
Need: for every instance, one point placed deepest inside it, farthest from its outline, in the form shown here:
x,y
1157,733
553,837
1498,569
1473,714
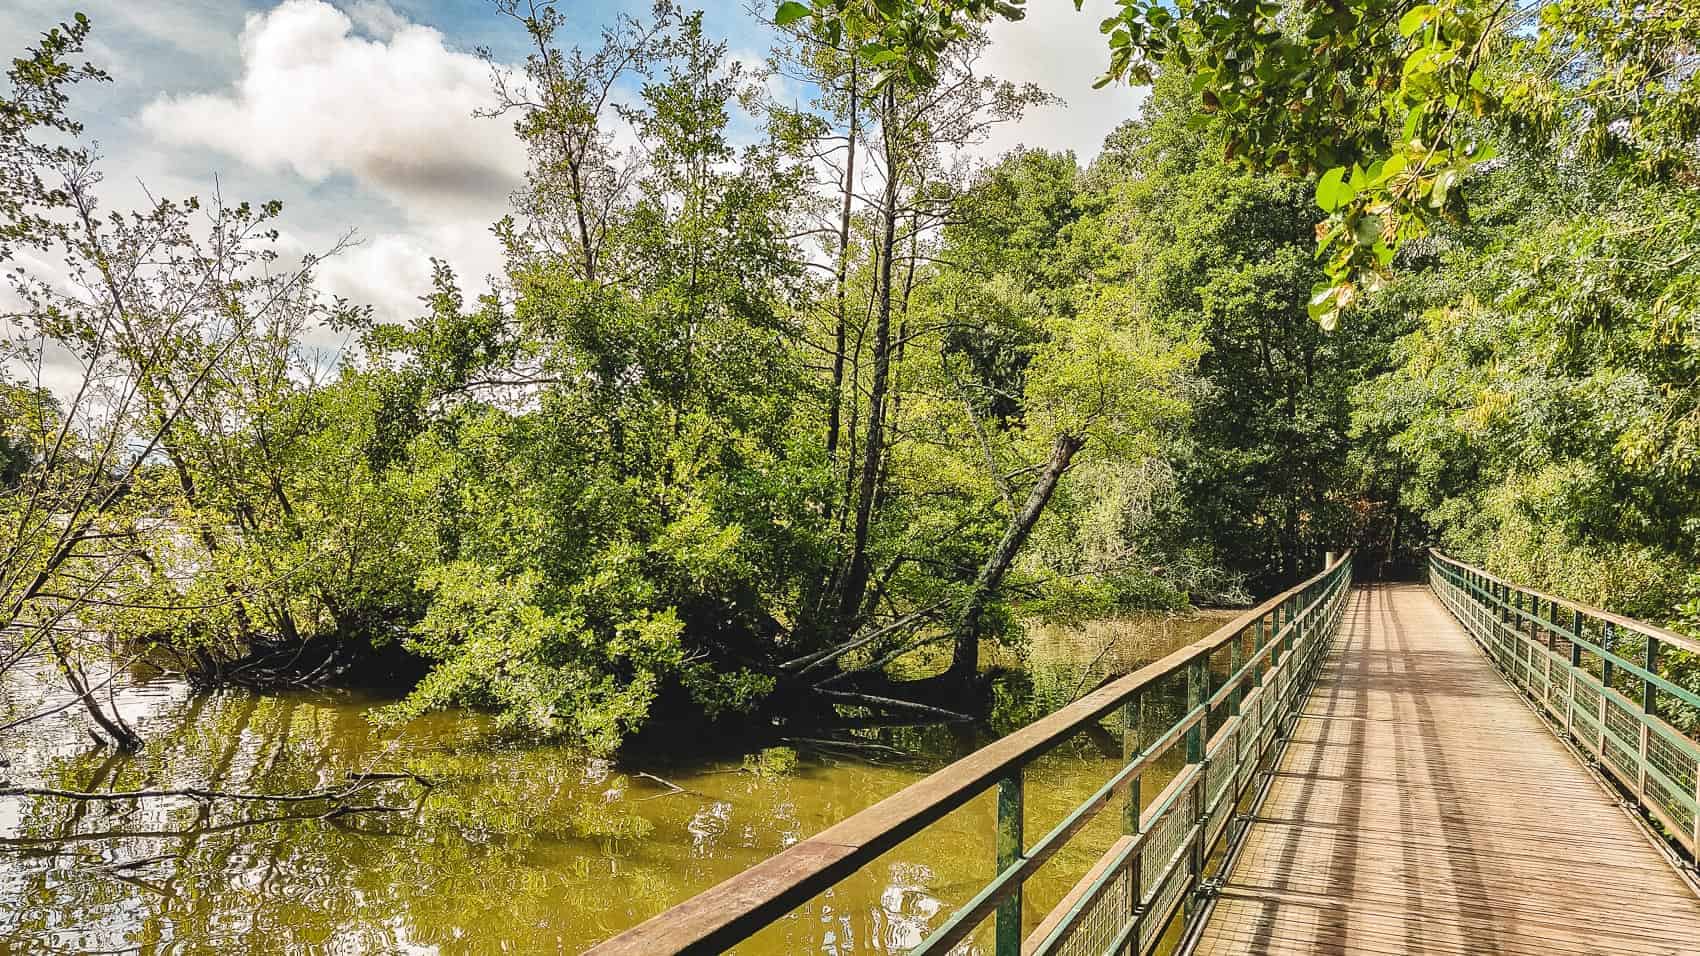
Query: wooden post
x,y
1010,849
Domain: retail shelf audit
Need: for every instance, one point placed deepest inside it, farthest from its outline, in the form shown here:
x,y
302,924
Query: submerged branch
x,y
871,700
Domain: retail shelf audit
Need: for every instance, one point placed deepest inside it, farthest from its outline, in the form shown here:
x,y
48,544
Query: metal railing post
x,y
1257,649
1576,637
1133,712
1197,737
1010,849
1608,640
1236,660
1292,632
1649,693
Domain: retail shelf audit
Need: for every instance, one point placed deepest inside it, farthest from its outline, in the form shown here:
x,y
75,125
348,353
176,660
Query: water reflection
x,y
517,847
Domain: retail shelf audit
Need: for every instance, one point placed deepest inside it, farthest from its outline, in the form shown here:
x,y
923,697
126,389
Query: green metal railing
x,y
1601,679
1244,685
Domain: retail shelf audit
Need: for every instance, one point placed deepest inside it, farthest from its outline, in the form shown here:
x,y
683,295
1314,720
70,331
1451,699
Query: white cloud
x,y
394,112
378,19
390,271
1063,52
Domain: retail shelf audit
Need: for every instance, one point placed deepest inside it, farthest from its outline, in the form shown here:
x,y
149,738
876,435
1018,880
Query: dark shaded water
x,y
519,847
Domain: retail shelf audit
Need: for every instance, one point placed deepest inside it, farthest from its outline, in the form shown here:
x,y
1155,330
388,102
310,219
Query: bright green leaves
x,y
1325,305
1616,82
1442,187
1325,99
900,39
1410,23
790,12
1332,190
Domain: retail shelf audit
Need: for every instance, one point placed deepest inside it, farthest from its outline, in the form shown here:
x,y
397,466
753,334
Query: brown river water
x,y
519,847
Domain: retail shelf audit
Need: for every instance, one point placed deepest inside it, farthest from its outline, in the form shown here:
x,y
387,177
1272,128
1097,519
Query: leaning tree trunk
x,y
965,658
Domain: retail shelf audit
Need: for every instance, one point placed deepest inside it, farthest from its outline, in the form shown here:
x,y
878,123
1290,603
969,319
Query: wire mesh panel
x,y
1163,847
1100,923
1250,731
1194,814
1587,700
1558,689
1588,688
1169,858
1219,774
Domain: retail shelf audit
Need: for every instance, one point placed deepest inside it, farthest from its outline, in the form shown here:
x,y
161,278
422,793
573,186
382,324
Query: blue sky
x,y
357,113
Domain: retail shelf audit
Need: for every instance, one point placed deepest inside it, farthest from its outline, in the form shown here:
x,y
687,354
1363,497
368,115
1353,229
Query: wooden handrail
x,y
723,915
1662,635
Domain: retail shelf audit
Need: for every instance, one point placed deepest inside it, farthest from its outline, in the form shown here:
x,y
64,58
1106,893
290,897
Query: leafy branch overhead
x,y
1382,100
896,38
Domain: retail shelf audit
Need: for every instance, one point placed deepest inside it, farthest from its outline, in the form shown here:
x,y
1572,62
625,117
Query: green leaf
x,y
1443,184
1324,307
790,12
1331,190
1414,119
1414,19
1322,295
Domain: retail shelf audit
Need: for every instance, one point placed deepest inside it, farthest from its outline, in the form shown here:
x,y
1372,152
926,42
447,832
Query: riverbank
x,y
517,845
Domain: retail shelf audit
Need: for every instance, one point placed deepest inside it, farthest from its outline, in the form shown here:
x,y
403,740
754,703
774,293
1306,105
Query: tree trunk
x,y
965,658
873,441
125,738
835,409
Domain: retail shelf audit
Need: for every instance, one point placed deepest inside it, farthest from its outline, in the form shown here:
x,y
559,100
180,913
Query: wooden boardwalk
x,y
1423,808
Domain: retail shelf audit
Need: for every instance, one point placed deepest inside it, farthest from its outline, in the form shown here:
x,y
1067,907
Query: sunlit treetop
x,y
900,39
1380,100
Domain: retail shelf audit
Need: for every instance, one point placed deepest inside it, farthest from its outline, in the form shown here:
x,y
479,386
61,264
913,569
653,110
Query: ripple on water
x,y
521,845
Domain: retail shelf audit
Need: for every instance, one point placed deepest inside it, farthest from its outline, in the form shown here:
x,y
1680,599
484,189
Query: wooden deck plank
x,y
1421,807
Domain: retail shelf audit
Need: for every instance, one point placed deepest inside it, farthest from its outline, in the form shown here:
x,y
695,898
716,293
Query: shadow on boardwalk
x,y
1422,808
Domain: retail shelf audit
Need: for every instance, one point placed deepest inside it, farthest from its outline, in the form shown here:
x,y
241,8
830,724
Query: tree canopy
x,y
784,427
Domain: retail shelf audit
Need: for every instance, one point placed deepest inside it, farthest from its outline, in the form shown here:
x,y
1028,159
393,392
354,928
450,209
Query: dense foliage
x,y
762,430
